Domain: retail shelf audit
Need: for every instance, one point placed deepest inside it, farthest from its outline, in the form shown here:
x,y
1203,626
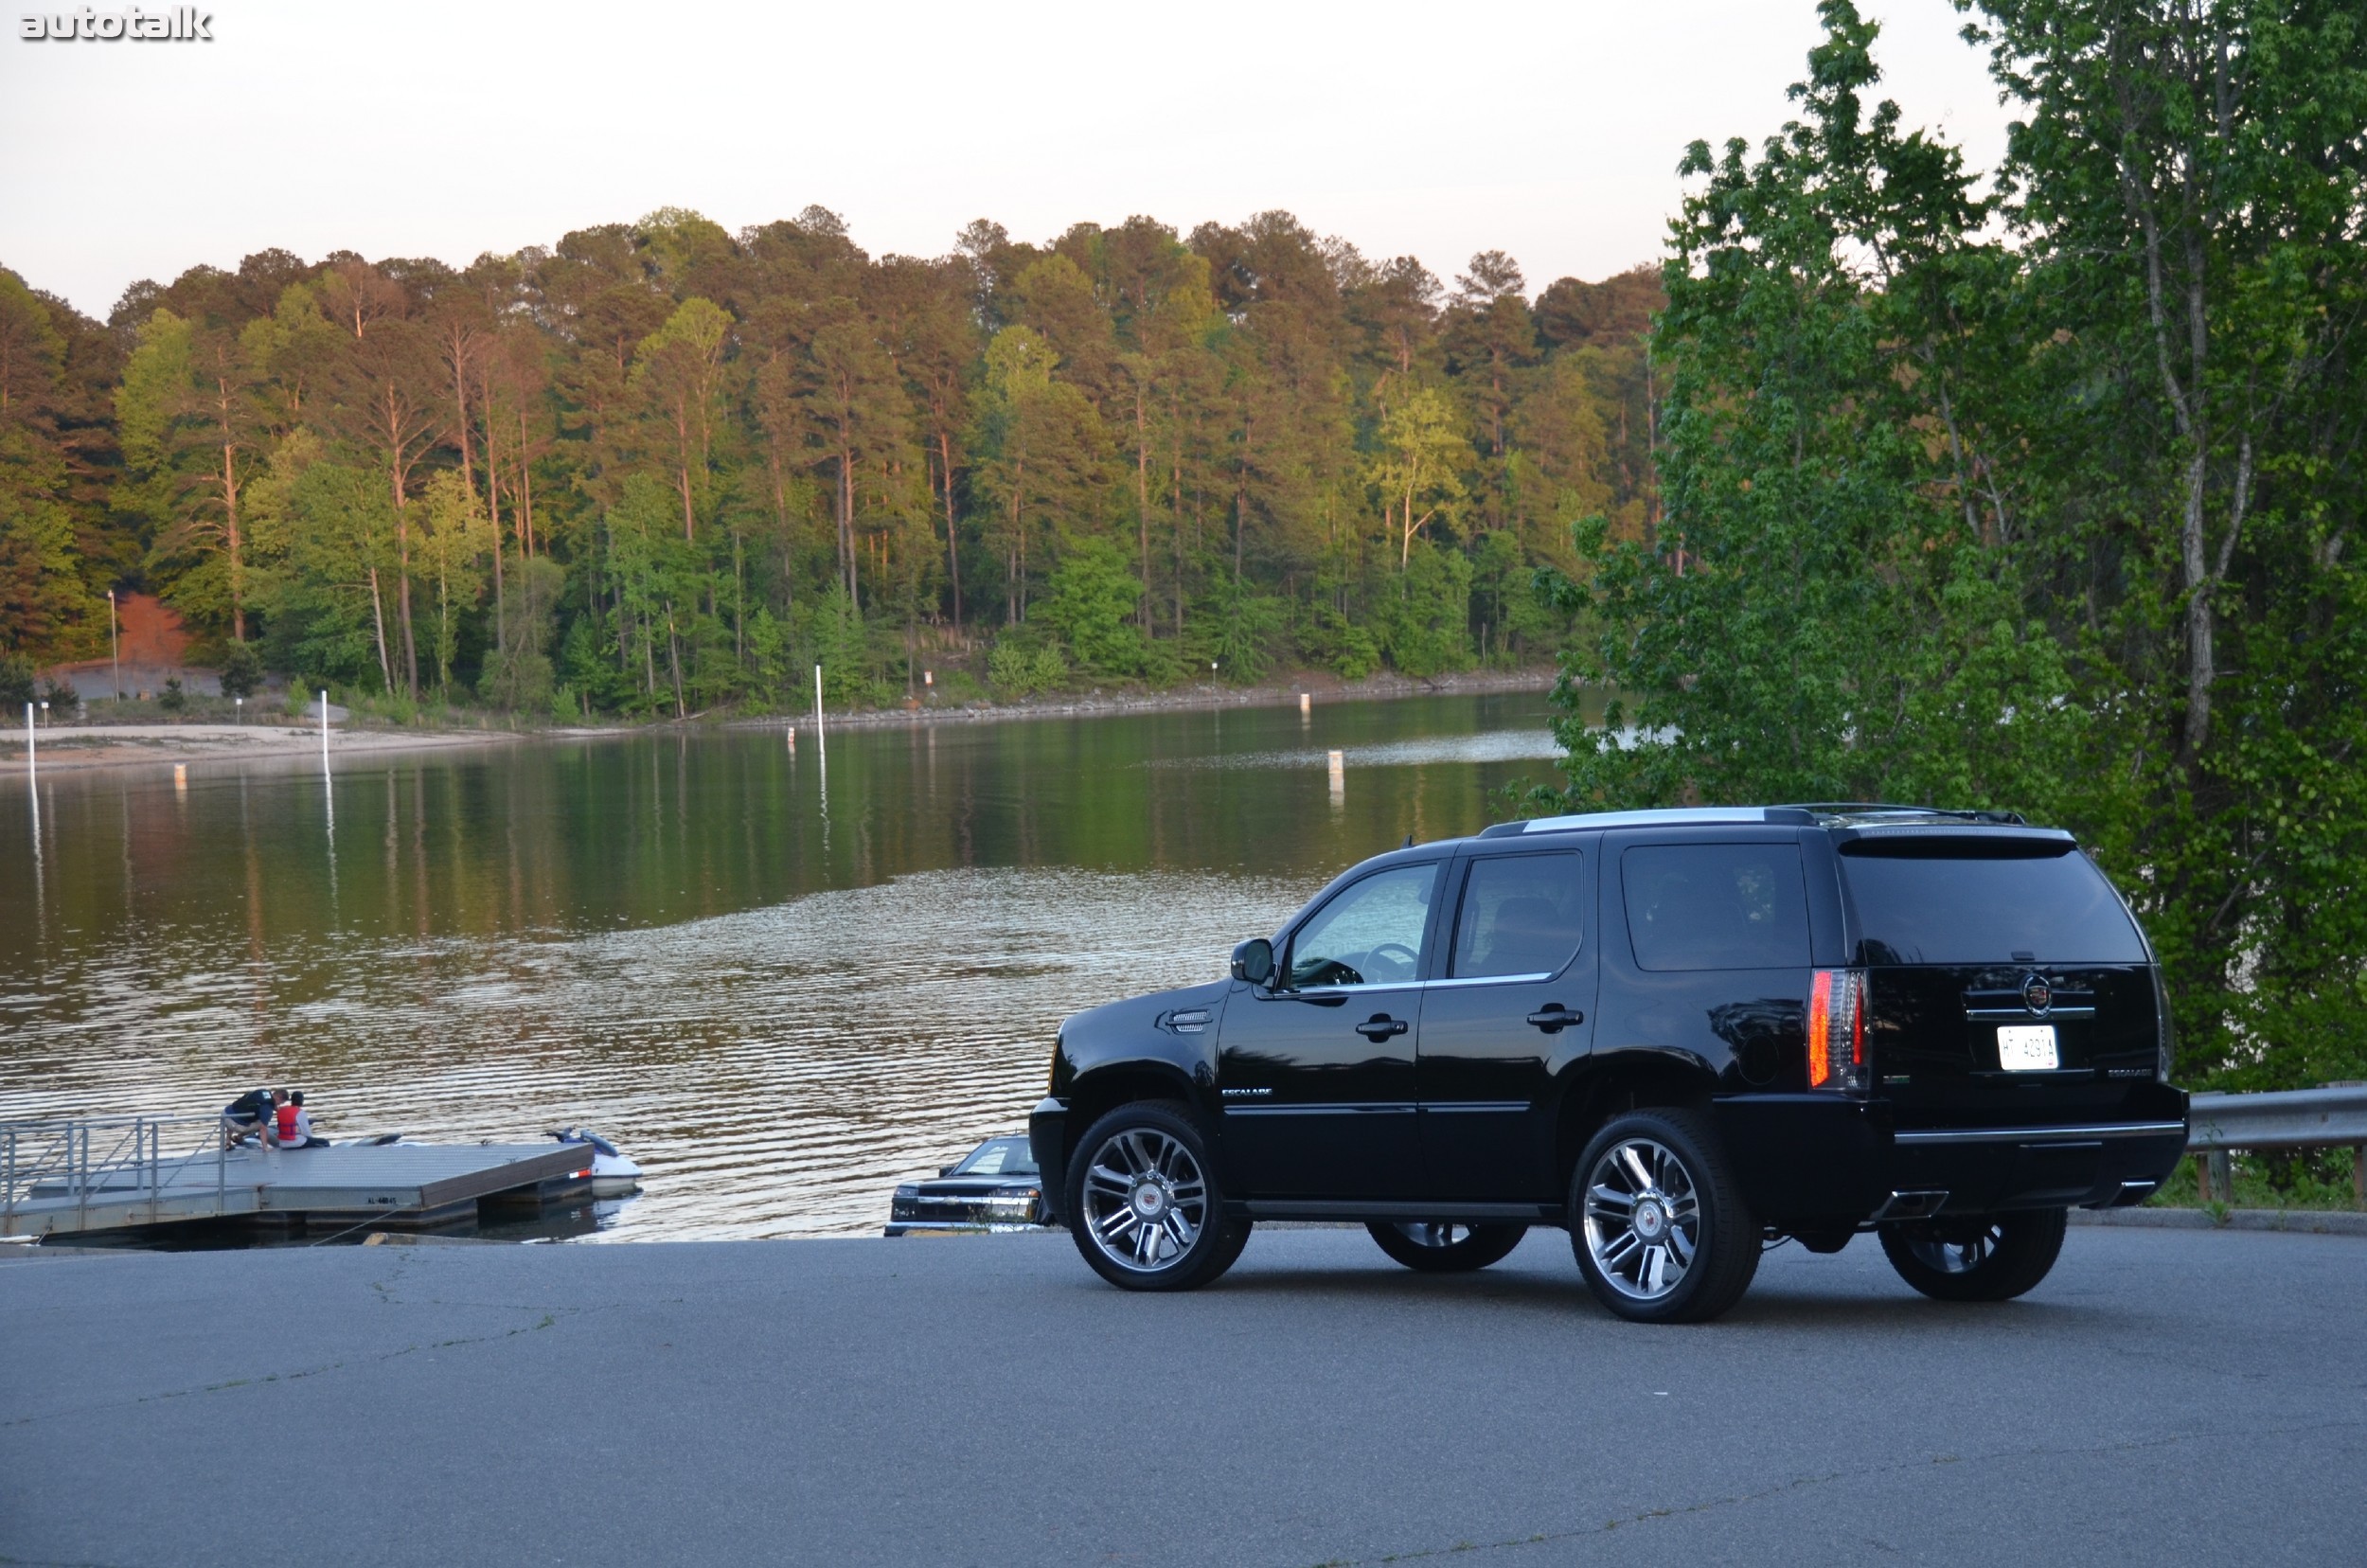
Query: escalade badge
x,y
2037,996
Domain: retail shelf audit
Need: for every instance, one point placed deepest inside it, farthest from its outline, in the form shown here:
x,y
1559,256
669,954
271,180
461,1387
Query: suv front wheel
x,y
1979,1256
1142,1201
1659,1225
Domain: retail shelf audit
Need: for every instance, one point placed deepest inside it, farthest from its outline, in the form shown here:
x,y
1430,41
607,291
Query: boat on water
x,y
612,1174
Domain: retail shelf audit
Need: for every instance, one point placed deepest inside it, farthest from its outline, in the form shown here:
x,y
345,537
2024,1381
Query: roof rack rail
x,y
1664,816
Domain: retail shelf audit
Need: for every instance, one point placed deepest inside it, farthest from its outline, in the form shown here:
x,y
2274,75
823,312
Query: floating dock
x,y
51,1185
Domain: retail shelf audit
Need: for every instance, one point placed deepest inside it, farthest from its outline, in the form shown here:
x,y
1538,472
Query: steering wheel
x,y
1412,959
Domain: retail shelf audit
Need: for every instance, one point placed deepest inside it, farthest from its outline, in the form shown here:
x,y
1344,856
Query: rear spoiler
x,y
1954,841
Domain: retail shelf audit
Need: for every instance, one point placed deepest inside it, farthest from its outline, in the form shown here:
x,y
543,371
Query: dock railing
x,y
118,1159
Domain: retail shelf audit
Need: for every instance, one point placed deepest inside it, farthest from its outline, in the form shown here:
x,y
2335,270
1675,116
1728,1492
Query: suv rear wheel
x,y
1439,1247
1142,1201
1976,1256
1657,1221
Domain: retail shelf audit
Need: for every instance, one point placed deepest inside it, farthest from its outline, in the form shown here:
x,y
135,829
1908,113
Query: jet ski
x,y
612,1175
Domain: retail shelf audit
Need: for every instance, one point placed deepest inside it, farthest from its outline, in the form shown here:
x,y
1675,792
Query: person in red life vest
x,y
291,1125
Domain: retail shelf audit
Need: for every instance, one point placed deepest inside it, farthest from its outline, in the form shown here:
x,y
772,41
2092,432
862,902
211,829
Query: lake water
x,y
781,987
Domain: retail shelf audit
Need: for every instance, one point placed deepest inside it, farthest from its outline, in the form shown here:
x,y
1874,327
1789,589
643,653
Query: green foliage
x,y
1241,631
519,677
16,684
241,671
1092,605
2018,526
173,699
1017,671
1425,632
1337,644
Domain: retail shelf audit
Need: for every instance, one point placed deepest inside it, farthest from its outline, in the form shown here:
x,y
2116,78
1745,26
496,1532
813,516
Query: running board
x,y
1461,1213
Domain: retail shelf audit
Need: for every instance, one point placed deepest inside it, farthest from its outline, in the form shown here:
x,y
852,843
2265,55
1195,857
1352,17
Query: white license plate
x,y
2027,1048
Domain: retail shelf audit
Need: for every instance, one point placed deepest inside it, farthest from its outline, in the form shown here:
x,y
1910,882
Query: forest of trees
x,y
661,468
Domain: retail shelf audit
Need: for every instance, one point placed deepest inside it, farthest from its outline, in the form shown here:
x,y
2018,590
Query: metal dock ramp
x,y
64,1178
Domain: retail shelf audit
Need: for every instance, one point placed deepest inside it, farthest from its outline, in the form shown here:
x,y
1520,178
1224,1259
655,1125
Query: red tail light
x,y
1837,1009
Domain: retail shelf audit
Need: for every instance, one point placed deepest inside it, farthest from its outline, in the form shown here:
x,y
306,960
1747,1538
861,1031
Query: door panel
x,y
1313,1108
1317,1077
1485,1071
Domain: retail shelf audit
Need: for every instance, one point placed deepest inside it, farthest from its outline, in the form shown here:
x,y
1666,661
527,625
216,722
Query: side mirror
x,y
945,1170
1252,961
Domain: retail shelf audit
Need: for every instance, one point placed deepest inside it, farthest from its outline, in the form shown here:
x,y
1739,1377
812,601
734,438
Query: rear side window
x,y
1945,910
1519,916
1707,906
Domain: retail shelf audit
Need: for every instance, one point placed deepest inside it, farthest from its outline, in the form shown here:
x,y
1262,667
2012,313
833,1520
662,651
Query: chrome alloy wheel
x,y
1146,1200
1643,1219
1954,1251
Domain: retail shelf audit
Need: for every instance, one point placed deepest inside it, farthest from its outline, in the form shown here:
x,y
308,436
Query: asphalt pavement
x,y
2164,1396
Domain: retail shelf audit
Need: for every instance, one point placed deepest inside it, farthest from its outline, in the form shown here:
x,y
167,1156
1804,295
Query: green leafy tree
x,y
1417,469
1091,602
2059,526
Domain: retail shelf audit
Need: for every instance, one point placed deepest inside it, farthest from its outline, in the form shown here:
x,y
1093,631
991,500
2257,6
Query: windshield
x,y
999,1157
1937,909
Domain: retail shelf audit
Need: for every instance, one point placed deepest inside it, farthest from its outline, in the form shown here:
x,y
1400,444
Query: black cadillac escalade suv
x,y
1678,1034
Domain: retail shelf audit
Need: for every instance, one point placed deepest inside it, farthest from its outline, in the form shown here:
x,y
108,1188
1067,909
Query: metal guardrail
x,y
2292,1119
103,1158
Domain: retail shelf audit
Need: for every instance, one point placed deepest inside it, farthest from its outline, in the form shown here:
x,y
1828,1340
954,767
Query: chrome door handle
x,y
1556,1018
1382,1026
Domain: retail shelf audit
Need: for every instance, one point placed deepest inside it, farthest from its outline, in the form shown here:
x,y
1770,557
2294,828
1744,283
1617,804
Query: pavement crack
x,y
549,1319
1802,1483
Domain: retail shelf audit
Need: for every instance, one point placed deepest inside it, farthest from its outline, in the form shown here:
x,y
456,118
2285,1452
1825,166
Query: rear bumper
x,y
1822,1159
1047,1139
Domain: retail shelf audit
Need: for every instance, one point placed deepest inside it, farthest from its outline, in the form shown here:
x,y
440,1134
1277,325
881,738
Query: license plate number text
x,y
2027,1048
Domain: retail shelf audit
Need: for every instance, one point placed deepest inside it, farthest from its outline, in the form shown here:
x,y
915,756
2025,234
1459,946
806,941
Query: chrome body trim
x,y
2039,1134
1455,981
2024,1015
1378,1108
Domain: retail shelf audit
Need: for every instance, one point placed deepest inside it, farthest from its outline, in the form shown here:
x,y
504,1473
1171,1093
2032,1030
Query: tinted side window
x,y
1370,933
1519,916
1704,906
1936,910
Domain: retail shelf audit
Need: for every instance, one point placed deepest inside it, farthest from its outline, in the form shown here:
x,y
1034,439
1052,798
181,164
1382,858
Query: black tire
x,y
1976,1256
1439,1247
1658,1181
1143,1204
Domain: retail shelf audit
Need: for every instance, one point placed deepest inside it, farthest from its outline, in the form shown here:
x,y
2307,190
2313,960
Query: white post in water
x,y
31,762
1338,779
1307,704
323,729
821,742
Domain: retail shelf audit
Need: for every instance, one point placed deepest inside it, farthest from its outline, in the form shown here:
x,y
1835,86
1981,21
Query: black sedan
x,y
994,1187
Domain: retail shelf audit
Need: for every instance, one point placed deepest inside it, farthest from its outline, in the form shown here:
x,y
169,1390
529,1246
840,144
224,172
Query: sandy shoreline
x,y
84,748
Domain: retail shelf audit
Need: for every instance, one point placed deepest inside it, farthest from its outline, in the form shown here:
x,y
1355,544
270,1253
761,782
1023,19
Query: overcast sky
x,y
444,128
